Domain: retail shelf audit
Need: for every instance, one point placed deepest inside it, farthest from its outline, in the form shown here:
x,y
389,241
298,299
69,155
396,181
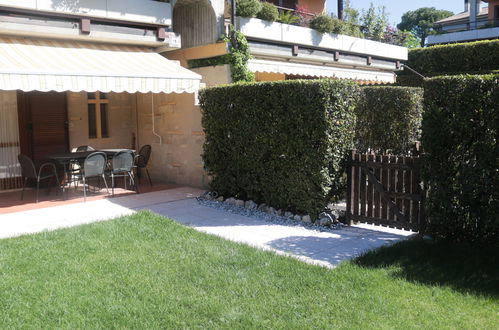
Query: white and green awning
x,y
52,65
320,71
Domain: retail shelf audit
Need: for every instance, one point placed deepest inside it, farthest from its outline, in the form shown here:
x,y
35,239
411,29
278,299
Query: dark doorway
x,y
42,124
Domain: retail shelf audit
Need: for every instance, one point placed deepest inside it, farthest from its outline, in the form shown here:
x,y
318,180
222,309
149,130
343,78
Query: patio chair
x,y
29,171
142,159
76,166
93,167
84,148
122,166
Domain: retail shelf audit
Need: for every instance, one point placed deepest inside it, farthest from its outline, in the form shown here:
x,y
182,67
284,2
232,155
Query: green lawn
x,y
146,271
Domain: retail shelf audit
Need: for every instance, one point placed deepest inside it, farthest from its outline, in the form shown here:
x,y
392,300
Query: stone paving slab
x,y
321,248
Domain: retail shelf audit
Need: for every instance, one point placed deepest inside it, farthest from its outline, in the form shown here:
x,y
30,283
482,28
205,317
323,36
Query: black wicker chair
x,y
142,159
122,166
93,166
29,171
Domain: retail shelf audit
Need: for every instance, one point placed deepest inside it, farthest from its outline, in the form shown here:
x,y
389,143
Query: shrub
x,y
455,58
389,119
326,24
268,12
248,8
322,23
460,134
409,81
282,143
287,17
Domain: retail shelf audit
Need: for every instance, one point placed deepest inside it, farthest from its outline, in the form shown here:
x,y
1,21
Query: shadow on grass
x,y
465,268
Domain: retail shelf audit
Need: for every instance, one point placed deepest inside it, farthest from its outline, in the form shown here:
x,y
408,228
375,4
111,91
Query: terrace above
x,y
140,22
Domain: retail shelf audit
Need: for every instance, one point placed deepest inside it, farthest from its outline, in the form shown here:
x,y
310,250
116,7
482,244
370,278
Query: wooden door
x,y
43,124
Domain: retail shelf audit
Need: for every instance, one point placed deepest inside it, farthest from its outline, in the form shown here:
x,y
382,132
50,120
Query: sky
x,y
395,8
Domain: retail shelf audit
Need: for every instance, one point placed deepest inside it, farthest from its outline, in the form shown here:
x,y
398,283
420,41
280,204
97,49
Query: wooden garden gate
x,y
385,190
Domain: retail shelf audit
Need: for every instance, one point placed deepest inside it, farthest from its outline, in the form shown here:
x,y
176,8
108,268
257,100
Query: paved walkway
x,y
321,248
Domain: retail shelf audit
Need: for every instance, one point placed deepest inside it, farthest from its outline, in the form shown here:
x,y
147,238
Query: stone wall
x,y
122,121
171,124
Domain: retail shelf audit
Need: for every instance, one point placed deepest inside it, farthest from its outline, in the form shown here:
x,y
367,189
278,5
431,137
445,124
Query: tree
x,y
421,21
400,37
374,23
351,26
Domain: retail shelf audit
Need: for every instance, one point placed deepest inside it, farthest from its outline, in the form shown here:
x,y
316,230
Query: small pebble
x,y
272,218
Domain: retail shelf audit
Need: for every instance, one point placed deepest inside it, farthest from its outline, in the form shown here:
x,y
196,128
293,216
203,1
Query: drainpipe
x,y
152,113
233,13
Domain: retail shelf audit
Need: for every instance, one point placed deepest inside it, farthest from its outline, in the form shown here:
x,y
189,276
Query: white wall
x,y
147,11
253,27
491,33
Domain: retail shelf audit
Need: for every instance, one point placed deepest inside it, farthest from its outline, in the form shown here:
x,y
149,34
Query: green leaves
x,y
239,54
460,135
471,57
421,21
288,17
389,119
248,8
268,12
281,143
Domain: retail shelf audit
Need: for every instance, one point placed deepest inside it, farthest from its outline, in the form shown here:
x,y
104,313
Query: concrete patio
x,y
321,248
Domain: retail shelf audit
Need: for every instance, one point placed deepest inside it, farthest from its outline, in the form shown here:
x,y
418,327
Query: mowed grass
x,y
146,271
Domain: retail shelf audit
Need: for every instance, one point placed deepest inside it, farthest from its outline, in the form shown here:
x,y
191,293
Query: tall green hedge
x,y
461,168
389,119
455,58
282,143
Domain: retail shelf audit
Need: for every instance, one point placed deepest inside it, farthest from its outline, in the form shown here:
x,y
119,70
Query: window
x,y
98,126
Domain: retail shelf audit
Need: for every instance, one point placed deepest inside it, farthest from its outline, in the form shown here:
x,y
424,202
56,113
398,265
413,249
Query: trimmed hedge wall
x,y
455,58
282,143
460,138
389,119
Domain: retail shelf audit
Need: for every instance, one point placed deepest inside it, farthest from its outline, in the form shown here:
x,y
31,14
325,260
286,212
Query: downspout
x,y
233,13
152,114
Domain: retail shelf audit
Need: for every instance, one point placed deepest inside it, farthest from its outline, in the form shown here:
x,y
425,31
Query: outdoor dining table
x,y
66,158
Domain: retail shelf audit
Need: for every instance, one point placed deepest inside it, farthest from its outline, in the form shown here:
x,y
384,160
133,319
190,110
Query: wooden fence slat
x,y
384,182
377,196
370,191
400,186
408,189
363,187
416,190
350,174
356,184
391,186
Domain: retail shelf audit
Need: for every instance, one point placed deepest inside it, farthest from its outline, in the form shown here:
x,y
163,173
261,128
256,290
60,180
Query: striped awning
x,y
311,70
50,65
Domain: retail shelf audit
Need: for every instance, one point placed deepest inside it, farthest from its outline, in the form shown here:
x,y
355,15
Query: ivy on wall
x,y
238,57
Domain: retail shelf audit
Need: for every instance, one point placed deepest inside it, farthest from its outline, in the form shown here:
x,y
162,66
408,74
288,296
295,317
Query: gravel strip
x,y
271,218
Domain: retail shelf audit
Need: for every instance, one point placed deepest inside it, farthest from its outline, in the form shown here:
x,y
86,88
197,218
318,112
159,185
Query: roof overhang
x,y
50,65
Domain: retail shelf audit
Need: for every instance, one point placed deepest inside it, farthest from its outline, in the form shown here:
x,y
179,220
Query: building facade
x,y
284,51
478,21
89,73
